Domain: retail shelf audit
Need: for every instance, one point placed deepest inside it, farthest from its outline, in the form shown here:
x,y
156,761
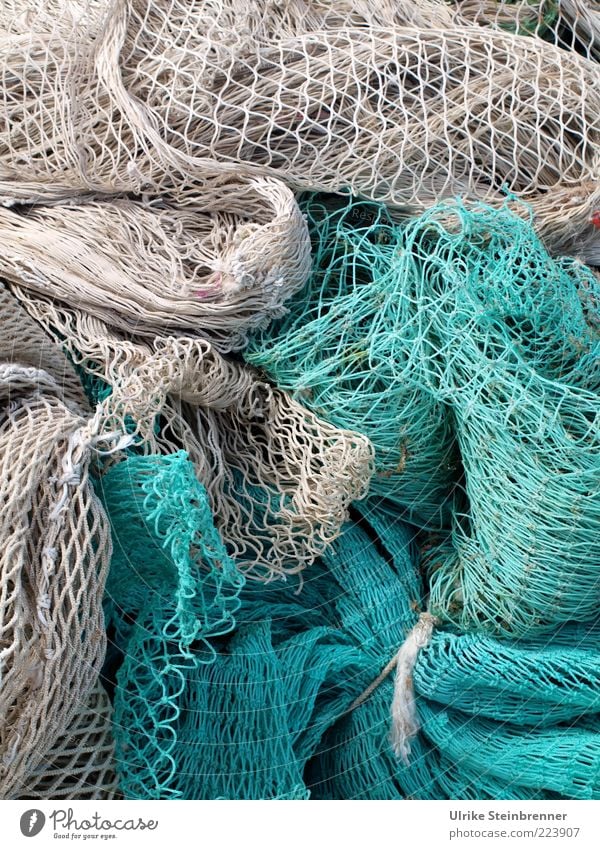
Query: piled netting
x,y
447,366
279,479
53,566
284,708
520,369
525,684
80,764
570,24
353,348
467,746
159,97
172,587
460,326
215,267
492,329
269,20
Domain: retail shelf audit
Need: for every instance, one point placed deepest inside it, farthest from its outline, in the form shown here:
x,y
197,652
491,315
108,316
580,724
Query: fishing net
x,y
279,479
159,97
520,371
171,588
238,722
352,349
80,765
521,684
466,746
416,417
571,24
215,267
54,559
277,709
268,21
459,326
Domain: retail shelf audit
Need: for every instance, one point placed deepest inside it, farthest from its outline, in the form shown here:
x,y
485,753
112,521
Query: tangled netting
x,y
300,493
55,734
571,24
172,587
80,764
279,479
352,349
270,715
459,331
216,266
461,313
158,97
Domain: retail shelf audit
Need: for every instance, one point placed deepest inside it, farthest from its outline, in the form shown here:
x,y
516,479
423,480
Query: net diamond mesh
x,y
300,493
54,561
460,328
159,97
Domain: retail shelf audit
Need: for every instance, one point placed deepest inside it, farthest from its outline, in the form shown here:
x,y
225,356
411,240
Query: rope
x,y
405,725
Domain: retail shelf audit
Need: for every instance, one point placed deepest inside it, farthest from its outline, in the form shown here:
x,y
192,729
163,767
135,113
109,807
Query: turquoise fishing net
x,y
518,683
353,348
520,369
243,720
262,710
489,727
469,356
470,359
172,590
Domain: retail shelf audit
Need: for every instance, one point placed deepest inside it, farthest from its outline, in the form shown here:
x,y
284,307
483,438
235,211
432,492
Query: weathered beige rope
x,y
405,725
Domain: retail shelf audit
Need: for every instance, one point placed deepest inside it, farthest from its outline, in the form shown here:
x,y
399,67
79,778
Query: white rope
x,y
405,724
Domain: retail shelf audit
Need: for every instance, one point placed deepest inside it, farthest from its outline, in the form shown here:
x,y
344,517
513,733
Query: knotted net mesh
x,y
352,349
139,96
279,479
470,358
80,764
445,366
172,588
216,266
266,711
54,561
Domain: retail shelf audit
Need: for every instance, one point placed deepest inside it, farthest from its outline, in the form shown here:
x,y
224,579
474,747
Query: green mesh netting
x,y
353,348
172,590
470,359
475,741
523,684
263,712
459,331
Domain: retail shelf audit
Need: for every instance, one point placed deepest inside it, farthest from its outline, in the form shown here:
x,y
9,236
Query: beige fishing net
x,y
80,765
146,96
218,266
279,479
54,558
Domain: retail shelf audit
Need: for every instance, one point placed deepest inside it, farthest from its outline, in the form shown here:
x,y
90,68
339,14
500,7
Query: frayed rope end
x,y
405,725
